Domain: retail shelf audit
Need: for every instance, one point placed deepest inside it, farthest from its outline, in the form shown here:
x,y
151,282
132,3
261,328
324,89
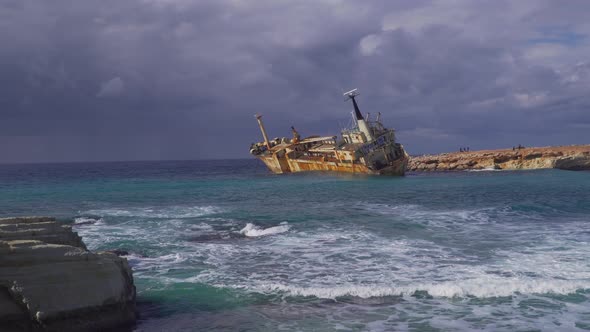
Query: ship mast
x,y
362,124
259,119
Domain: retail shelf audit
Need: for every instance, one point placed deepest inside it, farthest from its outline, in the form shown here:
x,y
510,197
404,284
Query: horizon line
x,y
113,161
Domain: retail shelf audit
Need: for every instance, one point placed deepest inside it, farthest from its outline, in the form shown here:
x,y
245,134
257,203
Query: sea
x,y
227,246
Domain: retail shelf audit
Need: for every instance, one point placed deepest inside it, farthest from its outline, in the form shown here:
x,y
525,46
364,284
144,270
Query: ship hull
x,y
286,165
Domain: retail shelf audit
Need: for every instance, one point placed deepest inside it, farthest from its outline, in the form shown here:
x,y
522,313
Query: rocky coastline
x,y
49,281
574,157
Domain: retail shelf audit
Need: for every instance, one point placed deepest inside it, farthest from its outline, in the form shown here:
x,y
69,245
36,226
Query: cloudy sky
x,y
180,79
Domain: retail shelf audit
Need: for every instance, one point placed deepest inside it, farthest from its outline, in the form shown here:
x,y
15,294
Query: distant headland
x,y
573,157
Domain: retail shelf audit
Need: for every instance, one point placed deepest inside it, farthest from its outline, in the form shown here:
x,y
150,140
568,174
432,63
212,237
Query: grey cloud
x,y
188,76
111,88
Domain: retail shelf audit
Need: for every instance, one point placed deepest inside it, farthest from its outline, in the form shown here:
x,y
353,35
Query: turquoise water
x,y
224,245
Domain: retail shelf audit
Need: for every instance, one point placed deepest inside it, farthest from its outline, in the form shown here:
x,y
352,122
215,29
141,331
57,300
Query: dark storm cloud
x,y
179,79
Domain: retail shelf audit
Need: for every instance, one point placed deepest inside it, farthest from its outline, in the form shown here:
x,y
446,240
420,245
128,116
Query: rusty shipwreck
x,y
367,147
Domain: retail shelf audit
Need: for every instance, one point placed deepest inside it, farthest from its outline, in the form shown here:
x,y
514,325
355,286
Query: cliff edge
x,y
49,281
575,157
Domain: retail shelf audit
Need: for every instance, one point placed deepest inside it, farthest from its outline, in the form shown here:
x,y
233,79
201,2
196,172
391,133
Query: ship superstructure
x,y
367,147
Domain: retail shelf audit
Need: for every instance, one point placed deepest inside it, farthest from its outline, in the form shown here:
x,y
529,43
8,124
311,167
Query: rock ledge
x,y
574,157
49,281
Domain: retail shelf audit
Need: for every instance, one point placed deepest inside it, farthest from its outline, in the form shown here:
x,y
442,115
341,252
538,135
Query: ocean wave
x,y
420,213
202,227
480,288
340,262
527,211
160,262
87,221
157,212
252,230
487,169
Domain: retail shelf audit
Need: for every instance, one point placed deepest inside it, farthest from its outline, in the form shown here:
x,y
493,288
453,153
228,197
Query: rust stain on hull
x,y
285,165
368,147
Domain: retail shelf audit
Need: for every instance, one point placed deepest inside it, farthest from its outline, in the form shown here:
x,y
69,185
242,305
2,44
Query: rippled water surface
x,y
224,245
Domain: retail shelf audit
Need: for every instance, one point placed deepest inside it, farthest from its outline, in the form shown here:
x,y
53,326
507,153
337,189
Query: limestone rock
x,y
576,162
50,282
575,157
44,229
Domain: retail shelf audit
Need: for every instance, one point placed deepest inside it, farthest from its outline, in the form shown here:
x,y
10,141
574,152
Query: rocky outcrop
x,y
43,229
575,157
50,282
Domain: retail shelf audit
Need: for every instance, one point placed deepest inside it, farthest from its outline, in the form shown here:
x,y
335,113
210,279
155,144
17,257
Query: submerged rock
x,y
49,281
575,157
118,252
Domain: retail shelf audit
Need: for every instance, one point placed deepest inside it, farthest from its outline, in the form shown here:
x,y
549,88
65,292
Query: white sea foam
x,y
141,264
252,230
463,254
87,220
338,260
443,218
483,287
157,212
413,210
203,227
487,169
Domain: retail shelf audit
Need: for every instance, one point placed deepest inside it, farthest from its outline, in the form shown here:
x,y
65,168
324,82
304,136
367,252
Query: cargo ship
x,y
367,147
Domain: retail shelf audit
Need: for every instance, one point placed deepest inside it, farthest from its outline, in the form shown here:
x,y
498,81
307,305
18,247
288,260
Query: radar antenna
x,y
362,124
351,94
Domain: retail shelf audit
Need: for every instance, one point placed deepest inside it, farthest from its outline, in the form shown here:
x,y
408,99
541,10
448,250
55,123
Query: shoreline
x,y
572,157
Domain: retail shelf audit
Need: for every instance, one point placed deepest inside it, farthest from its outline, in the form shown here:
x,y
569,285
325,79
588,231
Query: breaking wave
x,y
480,288
87,221
252,230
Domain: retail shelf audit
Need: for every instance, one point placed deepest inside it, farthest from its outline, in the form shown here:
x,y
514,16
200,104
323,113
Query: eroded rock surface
x,y
50,282
575,157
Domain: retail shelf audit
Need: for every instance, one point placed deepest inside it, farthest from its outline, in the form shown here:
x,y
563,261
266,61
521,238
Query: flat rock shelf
x,y
49,281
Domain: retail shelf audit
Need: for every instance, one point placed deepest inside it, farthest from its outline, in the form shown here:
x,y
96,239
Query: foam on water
x,y
337,261
349,262
487,169
251,230
169,260
156,212
417,213
88,221
459,251
485,287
